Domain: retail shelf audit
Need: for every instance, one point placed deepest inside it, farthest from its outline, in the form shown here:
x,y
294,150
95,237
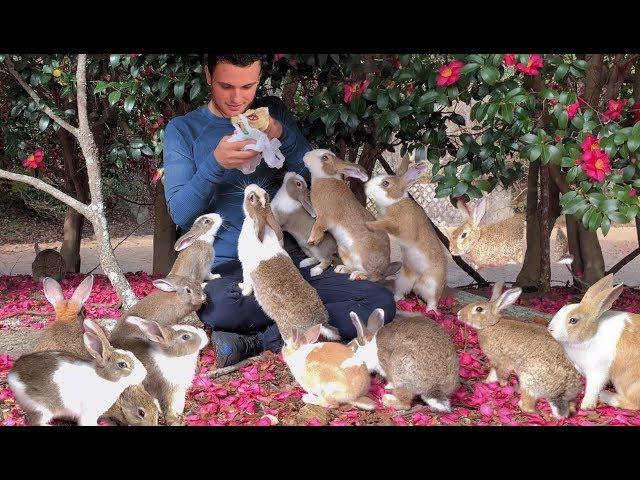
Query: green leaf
x,y
610,205
146,150
567,162
563,99
100,87
597,199
605,226
370,94
483,185
195,91
506,112
114,97
460,189
595,221
529,138
420,154
469,68
561,72
578,122
383,100
44,122
426,98
546,154
129,103
178,89
163,84
473,58
586,217
535,152
404,110
634,142
628,172
620,138
554,153
617,217
563,120
135,153
394,119
462,151
490,74
114,60
573,173
568,197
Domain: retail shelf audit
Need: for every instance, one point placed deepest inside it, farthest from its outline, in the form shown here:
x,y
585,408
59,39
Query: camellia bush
x,y
570,123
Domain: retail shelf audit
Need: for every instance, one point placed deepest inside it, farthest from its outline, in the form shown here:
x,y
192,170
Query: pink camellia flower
x,y
34,161
572,109
157,175
590,143
353,90
449,74
597,166
553,101
533,66
135,55
633,192
614,110
509,59
278,56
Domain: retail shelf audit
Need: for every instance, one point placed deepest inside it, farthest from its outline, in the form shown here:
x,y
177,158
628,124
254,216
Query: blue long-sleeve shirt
x,y
195,184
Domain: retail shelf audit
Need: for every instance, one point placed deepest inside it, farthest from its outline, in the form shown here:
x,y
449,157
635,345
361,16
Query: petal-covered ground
x,y
264,393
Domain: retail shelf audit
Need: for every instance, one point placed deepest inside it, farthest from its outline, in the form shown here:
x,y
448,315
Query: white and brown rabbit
x,y
48,263
365,254
170,355
292,209
177,298
603,344
135,407
543,369
268,271
54,384
196,249
66,331
328,371
501,243
424,264
414,354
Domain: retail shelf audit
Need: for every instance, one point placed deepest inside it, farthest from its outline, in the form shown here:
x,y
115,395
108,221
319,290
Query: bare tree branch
x,y
9,64
45,187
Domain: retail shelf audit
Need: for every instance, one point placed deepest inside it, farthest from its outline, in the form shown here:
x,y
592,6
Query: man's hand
x,y
274,130
231,154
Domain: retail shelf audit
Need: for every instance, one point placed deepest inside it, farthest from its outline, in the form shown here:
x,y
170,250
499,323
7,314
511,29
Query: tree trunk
x,y
73,221
529,273
544,283
164,235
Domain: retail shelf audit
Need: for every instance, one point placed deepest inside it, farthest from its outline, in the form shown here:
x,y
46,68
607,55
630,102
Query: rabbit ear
x,y
497,290
36,247
273,223
352,170
259,222
52,291
604,283
96,346
463,208
507,298
312,334
415,172
184,241
83,291
152,330
295,336
358,324
165,285
303,198
376,320
479,210
402,168
604,300
90,326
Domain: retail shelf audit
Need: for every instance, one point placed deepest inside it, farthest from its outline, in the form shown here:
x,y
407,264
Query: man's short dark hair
x,y
240,60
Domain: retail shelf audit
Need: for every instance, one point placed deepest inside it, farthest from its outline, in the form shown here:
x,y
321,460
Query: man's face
x,y
233,88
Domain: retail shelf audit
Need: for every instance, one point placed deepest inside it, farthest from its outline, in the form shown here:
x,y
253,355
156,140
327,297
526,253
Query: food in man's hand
x,y
258,118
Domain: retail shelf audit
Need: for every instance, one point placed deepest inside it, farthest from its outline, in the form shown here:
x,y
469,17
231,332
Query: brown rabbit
x,y
268,271
177,298
66,331
170,355
543,369
196,249
48,263
501,243
292,209
424,264
135,407
414,353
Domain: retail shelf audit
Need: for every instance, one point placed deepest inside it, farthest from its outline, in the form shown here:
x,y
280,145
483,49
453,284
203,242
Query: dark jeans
x,y
227,310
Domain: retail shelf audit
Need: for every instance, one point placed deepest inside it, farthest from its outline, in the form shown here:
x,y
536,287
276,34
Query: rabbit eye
x,y
479,309
464,234
206,220
573,320
122,364
385,183
186,336
141,412
298,184
324,157
188,290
